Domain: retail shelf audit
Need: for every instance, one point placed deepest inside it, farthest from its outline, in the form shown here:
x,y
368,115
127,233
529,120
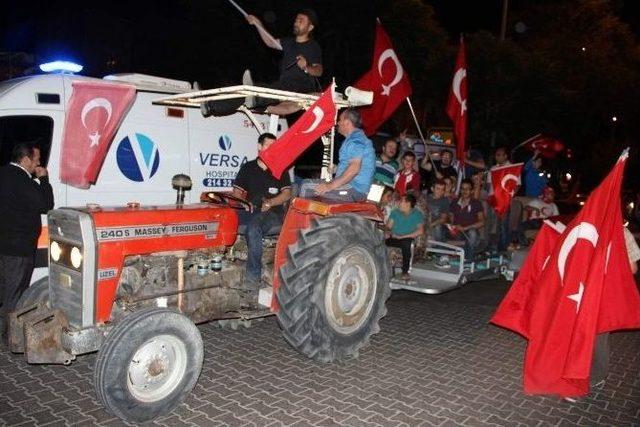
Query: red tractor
x,y
132,283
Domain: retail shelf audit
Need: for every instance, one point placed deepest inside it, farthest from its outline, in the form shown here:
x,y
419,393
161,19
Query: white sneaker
x,y
246,78
443,262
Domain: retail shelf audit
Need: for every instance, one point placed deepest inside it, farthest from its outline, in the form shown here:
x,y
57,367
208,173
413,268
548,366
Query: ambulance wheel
x,y
148,364
37,292
333,287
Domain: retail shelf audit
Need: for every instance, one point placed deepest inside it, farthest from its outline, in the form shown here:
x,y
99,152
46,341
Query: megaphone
x,y
358,97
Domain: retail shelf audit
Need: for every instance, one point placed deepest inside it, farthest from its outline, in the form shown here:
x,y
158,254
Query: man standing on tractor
x,y
356,164
266,194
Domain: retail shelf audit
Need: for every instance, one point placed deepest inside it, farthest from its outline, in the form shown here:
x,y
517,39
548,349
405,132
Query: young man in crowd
x,y
408,179
405,224
386,164
467,218
438,211
537,210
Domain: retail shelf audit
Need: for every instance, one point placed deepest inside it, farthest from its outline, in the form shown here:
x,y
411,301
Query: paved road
x,y
435,362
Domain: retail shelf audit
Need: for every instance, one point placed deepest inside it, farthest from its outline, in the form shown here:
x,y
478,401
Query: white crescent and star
x,y
577,297
460,75
318,114
584,230
390,54
103,103
509,177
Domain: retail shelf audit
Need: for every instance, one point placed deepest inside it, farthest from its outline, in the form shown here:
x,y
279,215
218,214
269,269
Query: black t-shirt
x,y
292,76
429,177
260,184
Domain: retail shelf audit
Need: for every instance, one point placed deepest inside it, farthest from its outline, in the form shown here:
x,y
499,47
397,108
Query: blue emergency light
x,y
61,67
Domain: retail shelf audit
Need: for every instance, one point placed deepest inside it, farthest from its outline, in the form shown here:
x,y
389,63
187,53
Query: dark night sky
x,y
208,40
205,40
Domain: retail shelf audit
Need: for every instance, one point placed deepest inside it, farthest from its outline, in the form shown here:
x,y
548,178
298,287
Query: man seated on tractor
x,y
467,218
267,195
405,224
356,164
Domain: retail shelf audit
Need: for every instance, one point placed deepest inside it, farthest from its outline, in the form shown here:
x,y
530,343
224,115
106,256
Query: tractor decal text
x,y
156,230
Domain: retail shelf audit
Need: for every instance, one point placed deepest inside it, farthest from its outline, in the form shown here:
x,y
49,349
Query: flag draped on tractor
x,y
387,80
315,122
574,285
94,114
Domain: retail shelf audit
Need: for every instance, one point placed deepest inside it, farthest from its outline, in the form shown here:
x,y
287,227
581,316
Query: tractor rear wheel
x,y
333,287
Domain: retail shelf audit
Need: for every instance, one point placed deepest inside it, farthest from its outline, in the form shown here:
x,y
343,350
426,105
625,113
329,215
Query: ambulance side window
x,y
16,129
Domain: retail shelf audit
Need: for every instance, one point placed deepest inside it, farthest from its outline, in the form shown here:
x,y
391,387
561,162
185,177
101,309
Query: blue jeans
x,y
437,233
346,193
504,231
257,224
471,242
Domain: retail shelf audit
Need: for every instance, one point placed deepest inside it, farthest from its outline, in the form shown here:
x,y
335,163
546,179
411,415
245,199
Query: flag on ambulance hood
x,y
314,123
94,114
584,288
387,80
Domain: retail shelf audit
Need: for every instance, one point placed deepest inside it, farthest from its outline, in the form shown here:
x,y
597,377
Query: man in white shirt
x,y
537,210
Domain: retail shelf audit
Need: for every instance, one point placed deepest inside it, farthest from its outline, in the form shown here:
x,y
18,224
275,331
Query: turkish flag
x,y
94,114
585,288
457,104
315,122
386,79
548,146
505,180
513,311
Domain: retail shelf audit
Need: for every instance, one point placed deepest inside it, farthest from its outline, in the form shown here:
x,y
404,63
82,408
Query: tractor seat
x,y
273,231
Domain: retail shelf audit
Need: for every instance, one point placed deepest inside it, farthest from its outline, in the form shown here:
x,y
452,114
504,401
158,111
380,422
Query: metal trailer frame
x,y
194,99
428,278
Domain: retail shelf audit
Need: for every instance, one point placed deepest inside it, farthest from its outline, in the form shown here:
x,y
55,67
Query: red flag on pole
x,y
548,146
584,289
505,180
457,104
314,123
94,115
386,79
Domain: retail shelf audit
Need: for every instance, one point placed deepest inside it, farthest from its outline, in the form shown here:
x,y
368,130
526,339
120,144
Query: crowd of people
x,y
454,201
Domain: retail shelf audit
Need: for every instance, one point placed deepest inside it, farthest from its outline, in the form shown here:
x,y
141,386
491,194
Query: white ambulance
x,y
153,143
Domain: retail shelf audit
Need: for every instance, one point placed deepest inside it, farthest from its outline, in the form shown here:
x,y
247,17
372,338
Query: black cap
x,y
311,14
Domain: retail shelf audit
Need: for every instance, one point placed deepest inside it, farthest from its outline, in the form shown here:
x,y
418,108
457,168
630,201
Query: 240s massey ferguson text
x,y
132,282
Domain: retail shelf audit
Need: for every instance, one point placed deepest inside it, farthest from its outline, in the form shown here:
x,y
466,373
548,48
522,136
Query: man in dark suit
x,y
22,200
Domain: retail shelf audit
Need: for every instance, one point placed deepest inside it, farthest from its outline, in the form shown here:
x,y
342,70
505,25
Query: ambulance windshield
x,y
16,129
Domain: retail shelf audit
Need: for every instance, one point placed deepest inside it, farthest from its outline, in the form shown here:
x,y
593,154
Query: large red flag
x,y
314,123
585,288
505,180
94,115
513,311
386,79
457,104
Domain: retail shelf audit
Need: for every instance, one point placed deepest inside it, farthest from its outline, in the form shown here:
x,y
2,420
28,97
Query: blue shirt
x,y
405,224
358,146
534,180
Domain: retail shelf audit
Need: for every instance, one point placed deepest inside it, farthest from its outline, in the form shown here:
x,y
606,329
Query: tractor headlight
x,y
76,257
55,251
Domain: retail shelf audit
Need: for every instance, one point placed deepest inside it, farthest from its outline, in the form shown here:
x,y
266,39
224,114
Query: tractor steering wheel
x,y
225,199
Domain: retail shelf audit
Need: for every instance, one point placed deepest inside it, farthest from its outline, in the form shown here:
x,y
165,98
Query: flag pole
x,y
415,119
524,142
326,172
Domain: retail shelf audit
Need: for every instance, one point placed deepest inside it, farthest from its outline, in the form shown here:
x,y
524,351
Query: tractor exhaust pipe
x,y
181,183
